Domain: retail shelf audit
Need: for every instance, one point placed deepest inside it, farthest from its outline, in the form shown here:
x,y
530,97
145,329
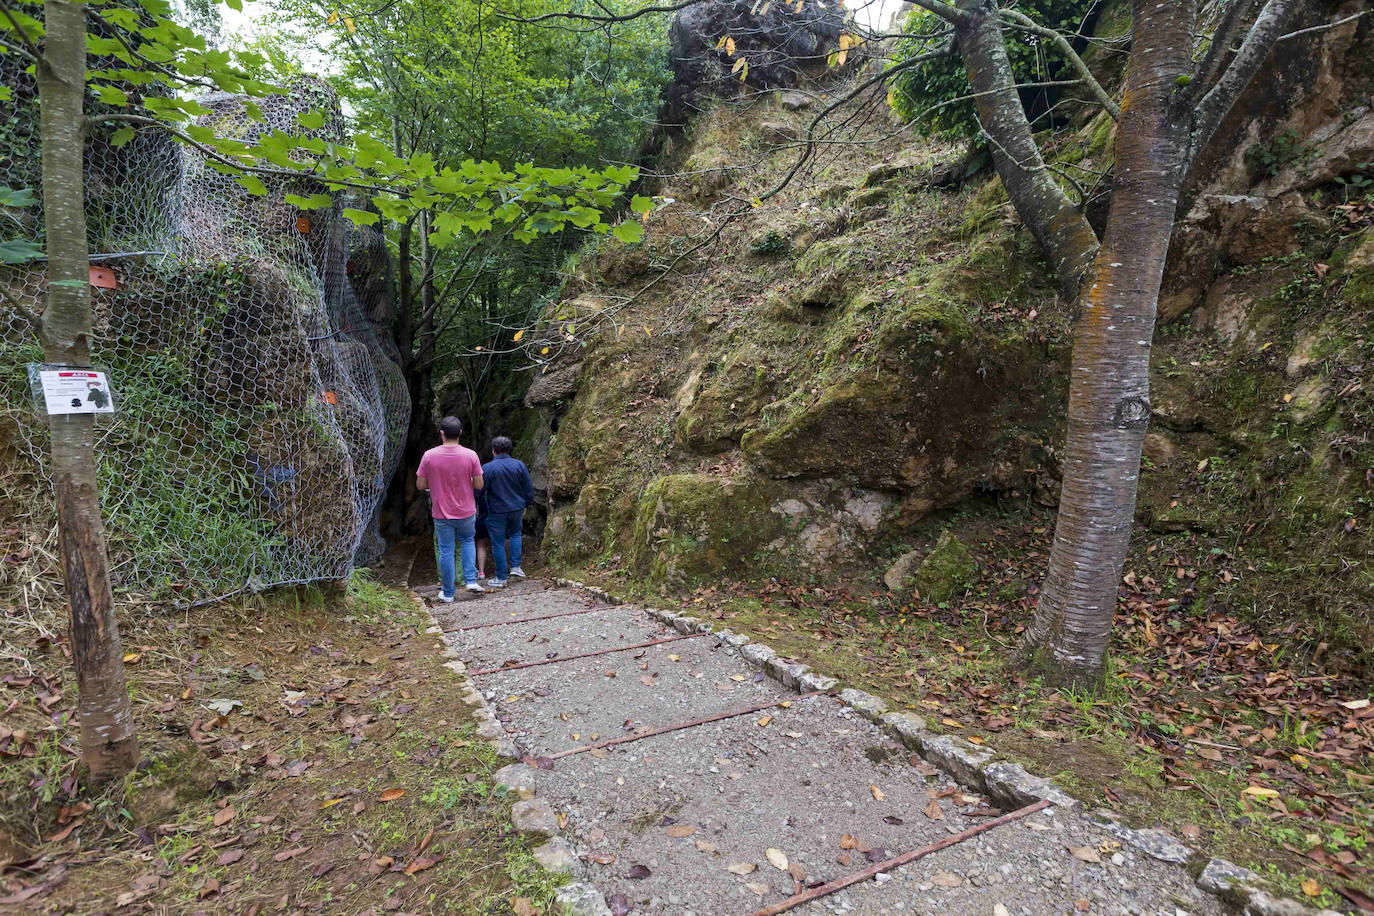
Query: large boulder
x,y
778,43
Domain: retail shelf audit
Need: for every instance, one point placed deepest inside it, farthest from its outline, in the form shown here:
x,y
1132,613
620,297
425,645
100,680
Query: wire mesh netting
x,y
261,403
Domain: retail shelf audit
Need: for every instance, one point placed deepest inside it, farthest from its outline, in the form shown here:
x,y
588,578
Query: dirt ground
x,y
302,753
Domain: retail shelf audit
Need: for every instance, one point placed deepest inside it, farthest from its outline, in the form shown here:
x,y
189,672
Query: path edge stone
x,y
530,814
981,768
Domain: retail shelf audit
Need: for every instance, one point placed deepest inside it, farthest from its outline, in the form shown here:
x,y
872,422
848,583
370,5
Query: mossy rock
x,y
814,300
691,527
158,791
942,408
868,197
725,408
949,570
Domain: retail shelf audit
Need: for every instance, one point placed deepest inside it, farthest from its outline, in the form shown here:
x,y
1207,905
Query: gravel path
x,y
737,814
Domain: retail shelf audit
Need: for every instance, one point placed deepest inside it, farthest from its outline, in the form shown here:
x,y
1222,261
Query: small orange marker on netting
x,y
330,397
303,225
104,278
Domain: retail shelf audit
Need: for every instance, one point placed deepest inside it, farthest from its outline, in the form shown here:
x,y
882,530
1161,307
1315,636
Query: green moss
x,y
691,527
948,571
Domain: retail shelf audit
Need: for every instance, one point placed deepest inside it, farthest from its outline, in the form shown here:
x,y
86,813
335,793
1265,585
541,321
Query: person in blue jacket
x,y
509,492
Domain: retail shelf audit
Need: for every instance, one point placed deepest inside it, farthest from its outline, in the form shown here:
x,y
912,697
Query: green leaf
x,y
122,136
629,232
19,251
623,174
253,185
360,217
236,5
641,204
313,202
17,197
311,120
111,95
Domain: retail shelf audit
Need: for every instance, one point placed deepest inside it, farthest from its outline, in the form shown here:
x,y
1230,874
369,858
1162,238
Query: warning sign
x,y
76,391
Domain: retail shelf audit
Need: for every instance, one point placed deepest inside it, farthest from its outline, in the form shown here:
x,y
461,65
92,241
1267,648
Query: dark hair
x,y
501,445
451,427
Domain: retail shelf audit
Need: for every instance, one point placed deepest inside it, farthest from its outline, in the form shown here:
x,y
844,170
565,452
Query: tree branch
x,y
31,49
1237,14
1268,27
1022,21
945,11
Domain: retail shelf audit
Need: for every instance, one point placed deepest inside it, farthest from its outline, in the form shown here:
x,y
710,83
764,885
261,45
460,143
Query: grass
x,y
353,773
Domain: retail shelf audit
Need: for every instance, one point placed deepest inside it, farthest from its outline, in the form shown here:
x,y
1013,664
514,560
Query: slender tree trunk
x,y
1109,392
1060,227
109,743
398,499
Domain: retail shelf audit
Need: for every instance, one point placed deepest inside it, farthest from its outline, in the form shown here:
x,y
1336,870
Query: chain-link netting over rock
x,y
261,404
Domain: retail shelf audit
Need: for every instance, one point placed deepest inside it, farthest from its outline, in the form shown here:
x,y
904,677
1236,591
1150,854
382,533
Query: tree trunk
x,y
1109,392
1060,227
398,499
109,743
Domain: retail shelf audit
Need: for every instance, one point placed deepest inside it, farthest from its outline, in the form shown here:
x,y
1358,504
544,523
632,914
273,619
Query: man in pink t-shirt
x,y
453,474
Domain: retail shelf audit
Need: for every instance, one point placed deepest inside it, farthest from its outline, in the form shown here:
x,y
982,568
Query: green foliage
x,y
147,70
13,204
1273,156
934,94
771,243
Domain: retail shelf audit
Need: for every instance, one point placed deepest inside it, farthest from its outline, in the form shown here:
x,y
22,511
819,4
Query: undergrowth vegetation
x,y
296,746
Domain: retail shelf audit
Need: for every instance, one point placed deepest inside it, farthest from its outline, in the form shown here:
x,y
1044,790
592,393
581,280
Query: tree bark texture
x,y
109,742
1109,392
1060,227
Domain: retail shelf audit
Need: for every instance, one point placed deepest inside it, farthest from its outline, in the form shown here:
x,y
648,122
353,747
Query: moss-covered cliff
x,y
878,353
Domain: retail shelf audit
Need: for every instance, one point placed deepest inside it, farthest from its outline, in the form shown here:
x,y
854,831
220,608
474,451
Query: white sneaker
x,y
518,573
472,587
447,599
496,583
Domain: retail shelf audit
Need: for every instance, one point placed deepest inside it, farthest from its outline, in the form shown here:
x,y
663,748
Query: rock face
x,y
882,357
778,42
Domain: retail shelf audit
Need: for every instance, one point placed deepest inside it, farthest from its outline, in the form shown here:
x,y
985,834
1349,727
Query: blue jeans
x,y
502,525
445,532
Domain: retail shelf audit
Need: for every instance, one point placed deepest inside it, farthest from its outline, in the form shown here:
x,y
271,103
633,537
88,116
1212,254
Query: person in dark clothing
x,y
480,537
509,492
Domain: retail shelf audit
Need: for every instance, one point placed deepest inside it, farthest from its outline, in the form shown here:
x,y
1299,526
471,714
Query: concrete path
x,y
738,814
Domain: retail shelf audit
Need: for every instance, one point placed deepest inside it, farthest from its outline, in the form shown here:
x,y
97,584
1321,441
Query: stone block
x,y
533,815
788,673
958,758
579,900
757,654
865,704
814,681
517,778
1012,787
906,727
556,856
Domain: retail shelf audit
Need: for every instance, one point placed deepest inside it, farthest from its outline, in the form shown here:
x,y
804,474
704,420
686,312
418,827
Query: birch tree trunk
x,y
1109,392
109,743
1060,227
